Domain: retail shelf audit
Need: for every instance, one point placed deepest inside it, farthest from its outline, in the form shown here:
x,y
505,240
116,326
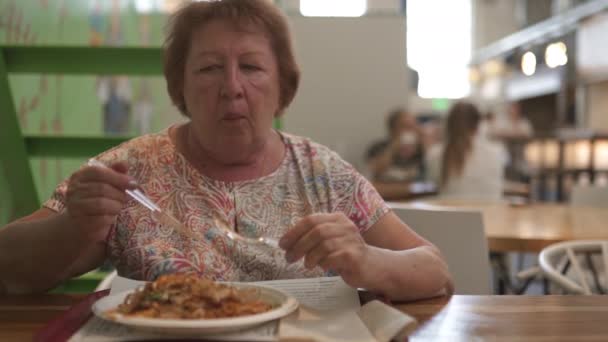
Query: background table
x,y
529,227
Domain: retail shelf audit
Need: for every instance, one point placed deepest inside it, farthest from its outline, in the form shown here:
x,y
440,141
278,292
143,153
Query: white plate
x,y
282,303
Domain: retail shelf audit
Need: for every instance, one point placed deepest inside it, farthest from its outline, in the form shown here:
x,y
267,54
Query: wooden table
x,y
511,318
22,316
460,318
529,227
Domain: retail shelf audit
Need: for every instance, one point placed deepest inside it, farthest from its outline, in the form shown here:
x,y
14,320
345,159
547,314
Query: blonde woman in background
x,y
466,165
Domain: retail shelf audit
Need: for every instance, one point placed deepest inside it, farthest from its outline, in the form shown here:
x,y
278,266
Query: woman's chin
x,y
234,127
238,143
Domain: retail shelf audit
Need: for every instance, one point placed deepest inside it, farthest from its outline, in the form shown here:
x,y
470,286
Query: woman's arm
x,y
40,251
46,248
389,258
404,265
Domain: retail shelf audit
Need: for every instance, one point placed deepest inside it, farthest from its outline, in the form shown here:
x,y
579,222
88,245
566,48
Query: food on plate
x,y
187,296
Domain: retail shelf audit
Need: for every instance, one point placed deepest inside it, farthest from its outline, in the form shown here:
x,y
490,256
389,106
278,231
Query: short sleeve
x,y
354,195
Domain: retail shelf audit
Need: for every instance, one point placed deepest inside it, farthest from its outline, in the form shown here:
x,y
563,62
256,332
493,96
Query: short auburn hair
x,y
261,13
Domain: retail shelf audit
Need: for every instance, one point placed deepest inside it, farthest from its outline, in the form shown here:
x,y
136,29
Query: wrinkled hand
x,y
95,196
331,241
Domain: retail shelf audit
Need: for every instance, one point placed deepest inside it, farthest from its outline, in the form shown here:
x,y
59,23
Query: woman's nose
x,y
232,86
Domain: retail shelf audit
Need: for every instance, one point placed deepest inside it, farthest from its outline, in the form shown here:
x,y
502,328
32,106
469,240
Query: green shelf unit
x,y
69,147
16,148
83,60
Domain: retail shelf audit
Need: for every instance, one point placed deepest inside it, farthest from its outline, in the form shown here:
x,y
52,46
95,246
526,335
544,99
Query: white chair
x,y
591,196
560,264
460,236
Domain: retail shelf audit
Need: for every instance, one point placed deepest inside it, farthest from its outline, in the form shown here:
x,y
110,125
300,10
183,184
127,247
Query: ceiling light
x,y
556,55
528,63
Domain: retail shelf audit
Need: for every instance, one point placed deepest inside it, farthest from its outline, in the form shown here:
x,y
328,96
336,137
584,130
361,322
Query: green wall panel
x,y
5,203
71,105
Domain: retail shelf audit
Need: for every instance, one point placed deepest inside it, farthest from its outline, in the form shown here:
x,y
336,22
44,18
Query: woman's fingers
x,y
98,189
96,206
329,241
332,262
330,234
112,176
120,167
347,263
302,227
314,237
321,251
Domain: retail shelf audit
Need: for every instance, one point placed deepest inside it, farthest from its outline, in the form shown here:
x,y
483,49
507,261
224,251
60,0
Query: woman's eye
x,y
250,67
210,68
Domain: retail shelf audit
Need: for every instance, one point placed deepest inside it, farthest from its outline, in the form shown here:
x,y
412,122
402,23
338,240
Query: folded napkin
x,y
373,322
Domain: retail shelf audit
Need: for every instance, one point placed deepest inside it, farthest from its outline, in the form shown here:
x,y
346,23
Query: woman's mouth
x,y
233,116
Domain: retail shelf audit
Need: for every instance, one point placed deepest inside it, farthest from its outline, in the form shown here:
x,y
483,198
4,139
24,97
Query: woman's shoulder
x,y
491,151
153,139
315,157
304,146
489,146
148,146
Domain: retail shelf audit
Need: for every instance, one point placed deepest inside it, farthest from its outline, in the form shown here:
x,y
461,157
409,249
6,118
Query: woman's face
x,y
231,86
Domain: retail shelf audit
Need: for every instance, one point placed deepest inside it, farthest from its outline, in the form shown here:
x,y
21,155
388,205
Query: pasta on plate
x,y
187,296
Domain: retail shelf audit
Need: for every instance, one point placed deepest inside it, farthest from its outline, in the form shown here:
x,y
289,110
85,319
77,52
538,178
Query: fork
x,y
234,236
159,214
168,220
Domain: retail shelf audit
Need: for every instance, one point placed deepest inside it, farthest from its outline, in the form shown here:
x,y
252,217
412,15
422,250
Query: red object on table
x,y
64,326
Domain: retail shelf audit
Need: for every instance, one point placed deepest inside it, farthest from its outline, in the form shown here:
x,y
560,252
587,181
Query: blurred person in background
x,y
398,160
486,126
512,126
513,130
466,165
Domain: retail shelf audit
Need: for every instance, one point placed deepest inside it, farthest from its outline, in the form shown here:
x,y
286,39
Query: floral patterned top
x,y
311,178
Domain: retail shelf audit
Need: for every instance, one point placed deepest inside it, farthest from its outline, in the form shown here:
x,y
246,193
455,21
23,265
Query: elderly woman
x,y
230,69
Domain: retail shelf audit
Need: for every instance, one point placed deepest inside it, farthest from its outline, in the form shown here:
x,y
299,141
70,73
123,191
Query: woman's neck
x,y
260,161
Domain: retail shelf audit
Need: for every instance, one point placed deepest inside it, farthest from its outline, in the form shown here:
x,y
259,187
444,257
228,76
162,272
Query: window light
x,y
439,34
333,8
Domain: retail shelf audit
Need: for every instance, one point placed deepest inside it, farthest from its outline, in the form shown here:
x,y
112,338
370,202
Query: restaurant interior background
x,y
359,59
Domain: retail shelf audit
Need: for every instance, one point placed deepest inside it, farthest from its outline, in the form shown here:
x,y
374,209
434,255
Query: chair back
x,y
459,234
561,264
